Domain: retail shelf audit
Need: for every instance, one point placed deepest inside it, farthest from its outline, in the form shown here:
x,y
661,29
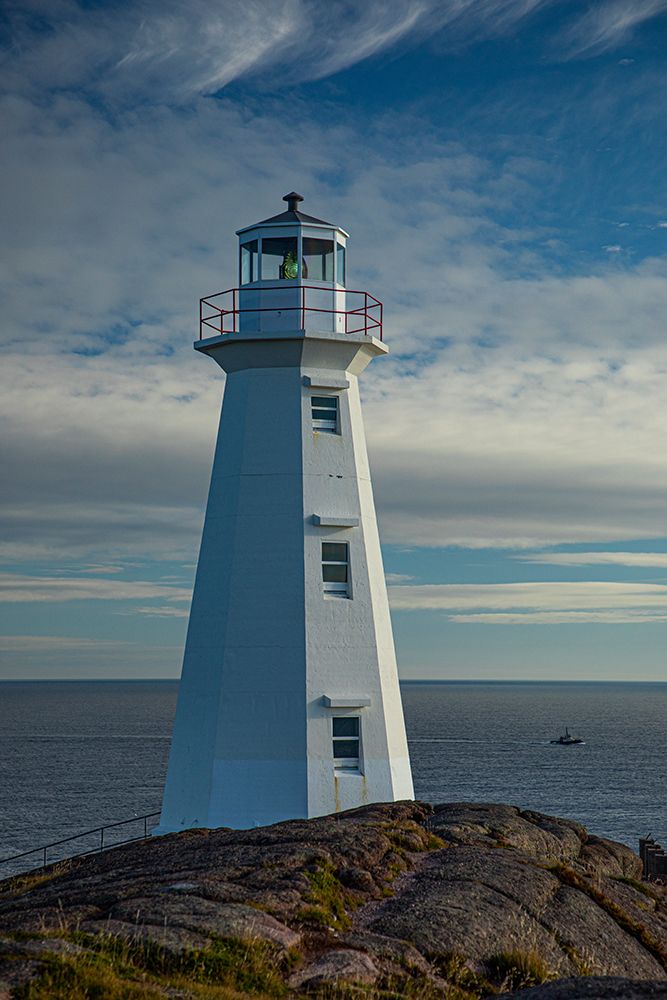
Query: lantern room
x,y
292,282
292,247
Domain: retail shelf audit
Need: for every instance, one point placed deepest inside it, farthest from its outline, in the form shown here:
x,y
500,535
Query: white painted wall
x,y
252,737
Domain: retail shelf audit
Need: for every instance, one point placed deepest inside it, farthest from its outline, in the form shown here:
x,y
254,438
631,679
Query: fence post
x,y
45,857
102,838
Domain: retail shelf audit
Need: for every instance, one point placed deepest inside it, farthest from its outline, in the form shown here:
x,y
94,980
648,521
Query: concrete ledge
x,y
325,382
329,521
361,701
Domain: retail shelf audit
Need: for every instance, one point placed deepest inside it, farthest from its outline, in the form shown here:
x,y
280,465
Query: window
x,y
318,259
280,259
335,569
249,262
325,413
346,742
340,264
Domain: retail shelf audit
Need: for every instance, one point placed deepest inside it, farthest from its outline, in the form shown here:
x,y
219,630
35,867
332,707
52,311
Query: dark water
x,y
78,755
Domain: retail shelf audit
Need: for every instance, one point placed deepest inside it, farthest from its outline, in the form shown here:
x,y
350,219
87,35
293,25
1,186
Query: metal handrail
x,y
44,848
372,323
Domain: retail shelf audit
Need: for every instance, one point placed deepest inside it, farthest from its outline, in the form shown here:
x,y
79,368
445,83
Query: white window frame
x,y
347,764
332,589
319,423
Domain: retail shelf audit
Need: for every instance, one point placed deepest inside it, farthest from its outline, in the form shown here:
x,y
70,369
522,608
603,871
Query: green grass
x,y
464,983
112,969
328,900
517,970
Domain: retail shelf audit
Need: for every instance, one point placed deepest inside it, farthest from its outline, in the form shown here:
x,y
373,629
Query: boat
x,y
568,740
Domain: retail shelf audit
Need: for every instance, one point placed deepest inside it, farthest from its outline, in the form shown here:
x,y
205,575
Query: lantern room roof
x,y
291,217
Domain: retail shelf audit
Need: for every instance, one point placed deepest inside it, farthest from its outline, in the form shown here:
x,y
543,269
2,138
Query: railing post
x,y
201,316
234,309
303,308
365,314
145,827
381,334
102,839
45,857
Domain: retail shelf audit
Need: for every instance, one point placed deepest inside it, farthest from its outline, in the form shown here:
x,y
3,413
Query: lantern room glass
x,y
318,259
340,264
249,262
280,261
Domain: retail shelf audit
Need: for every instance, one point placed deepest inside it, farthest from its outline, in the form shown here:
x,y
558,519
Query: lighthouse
x,y
289,702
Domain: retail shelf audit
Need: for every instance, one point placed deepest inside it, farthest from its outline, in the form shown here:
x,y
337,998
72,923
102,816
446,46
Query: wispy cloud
x,y
176,49
180,48
15,587
604,26
163,612
537,602
641,559
562,618
58,643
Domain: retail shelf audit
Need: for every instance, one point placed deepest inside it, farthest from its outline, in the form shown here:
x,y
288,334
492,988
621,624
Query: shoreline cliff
x,y
459,901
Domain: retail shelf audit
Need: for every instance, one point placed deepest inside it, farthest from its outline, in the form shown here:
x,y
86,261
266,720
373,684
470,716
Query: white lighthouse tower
x,y
289,703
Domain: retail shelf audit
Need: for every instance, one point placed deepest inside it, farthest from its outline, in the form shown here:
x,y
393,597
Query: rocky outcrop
x,y
457,900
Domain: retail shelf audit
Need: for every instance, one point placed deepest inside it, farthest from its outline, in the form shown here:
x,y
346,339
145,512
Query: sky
x,y
499,165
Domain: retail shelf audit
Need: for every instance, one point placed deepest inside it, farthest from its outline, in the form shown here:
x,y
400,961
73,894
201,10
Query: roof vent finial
x,y
292,200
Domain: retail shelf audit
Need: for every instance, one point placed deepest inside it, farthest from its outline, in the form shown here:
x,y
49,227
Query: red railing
x,y
223,313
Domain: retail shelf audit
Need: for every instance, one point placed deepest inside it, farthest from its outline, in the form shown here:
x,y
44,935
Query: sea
x,y
75,756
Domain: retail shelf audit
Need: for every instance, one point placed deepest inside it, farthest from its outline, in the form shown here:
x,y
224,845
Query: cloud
x,y
641,559
604,26
15,587
520,406
58,643
163,612
178,49
562,618
542,597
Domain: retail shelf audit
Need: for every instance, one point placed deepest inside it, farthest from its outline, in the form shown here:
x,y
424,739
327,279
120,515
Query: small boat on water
x,y
568,740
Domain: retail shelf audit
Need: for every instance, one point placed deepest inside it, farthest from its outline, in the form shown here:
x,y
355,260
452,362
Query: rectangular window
x,y
279,259
346,742
249,261
340,264
336,569
325,413
318,259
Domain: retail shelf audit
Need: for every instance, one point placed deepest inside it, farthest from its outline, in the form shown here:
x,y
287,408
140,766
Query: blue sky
x,y
500,167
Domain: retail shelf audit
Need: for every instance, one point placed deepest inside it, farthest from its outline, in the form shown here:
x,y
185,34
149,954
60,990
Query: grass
x,y
569,877
464,983
517,970
328,900
638,886
18,884
112,969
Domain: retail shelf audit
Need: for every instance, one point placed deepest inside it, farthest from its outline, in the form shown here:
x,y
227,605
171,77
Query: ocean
x,y
77,755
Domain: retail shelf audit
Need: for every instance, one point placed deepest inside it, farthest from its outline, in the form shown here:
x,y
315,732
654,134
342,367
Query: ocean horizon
x,y
77,754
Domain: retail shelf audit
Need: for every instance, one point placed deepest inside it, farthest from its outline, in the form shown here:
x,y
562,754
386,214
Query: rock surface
x,y
457,900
